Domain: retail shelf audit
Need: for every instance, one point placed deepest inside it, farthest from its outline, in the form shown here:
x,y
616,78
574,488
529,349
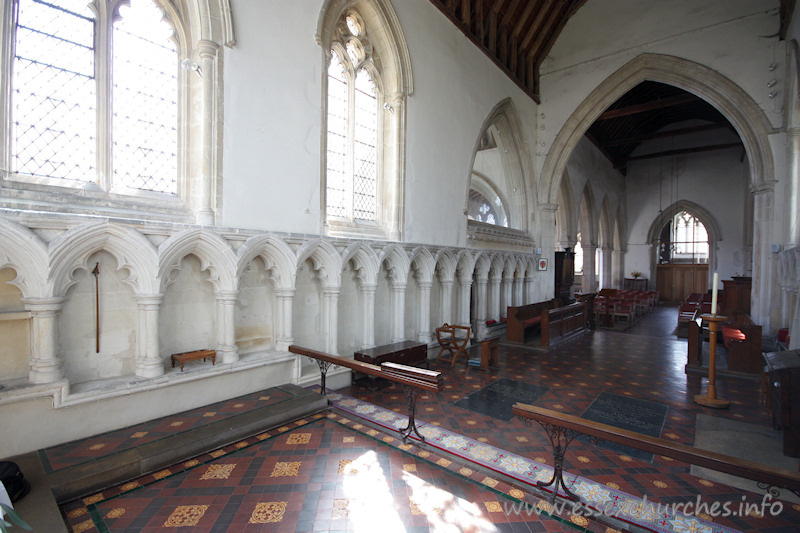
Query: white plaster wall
x,y
717,181
118,319
15,346
273,114
186,319
255,310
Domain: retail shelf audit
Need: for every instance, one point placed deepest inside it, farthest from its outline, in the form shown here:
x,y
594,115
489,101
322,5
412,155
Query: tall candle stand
x,y
709,399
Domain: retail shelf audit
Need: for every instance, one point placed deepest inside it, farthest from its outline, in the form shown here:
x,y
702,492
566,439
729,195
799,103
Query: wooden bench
x,y
525,318
450,338
742,339
183,357
414,380
563,322
488,354
563,428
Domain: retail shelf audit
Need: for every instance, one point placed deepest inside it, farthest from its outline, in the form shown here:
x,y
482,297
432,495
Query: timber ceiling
x,y
518,34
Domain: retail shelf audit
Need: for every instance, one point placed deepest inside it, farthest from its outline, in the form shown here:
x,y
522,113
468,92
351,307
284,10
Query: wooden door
x,y
676,281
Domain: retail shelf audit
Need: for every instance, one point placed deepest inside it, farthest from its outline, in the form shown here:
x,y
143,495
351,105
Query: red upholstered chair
x,y
625,308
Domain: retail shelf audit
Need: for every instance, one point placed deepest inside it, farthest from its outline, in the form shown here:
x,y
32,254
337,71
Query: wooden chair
x,y
449,339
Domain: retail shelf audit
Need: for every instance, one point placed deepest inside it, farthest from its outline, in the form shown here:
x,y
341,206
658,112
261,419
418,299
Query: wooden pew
x,y
562,428
524,318
563,322
742,338
414,380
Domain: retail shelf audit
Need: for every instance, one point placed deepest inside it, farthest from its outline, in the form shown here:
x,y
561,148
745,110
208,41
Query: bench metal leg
x,y
559,438
323,370
411,394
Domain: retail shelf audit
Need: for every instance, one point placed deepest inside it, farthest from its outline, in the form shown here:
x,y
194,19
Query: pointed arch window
x,y
94,96
352,141
684,240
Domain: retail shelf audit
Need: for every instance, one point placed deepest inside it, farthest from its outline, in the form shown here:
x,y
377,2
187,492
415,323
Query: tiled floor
x,y
289,479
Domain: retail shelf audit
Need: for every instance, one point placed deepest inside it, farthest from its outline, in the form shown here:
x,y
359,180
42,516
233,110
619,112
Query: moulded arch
x,y
734,103
211,20
482,265
326,260
465,264
130,249
397,260
365,262
530,267
566,218
505,118
709,221
498,265
23,250
588,217
396,60
423,263
620,230
445,265
604,225
277,256
214,253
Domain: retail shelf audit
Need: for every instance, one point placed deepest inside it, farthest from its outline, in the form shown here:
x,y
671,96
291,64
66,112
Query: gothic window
x,y
578,256
684,240
94,96
353,126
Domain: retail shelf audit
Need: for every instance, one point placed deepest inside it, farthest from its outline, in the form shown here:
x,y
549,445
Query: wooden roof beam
x,y
523,19
670,133
649,106
692,150
551,16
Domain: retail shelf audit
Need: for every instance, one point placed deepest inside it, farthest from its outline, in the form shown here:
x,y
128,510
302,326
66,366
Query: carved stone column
x,y
517,297
368,316
464,288
606,267
45,366
226,326
618,269
494,299
398,311
447,301
283,319
505,296
148,357
205,211
424,311
792,205
330,319
764,264
589,277
530,287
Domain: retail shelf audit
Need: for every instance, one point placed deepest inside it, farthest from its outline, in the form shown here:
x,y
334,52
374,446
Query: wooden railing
x,y
563,321
562,428
414,380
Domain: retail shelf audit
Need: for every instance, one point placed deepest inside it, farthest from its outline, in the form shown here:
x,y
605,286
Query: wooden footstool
x,y
181,358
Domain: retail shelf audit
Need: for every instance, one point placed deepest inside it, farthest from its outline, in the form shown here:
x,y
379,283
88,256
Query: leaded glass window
x,y
352,128
62,64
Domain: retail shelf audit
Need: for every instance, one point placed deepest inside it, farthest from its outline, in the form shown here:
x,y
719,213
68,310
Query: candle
x,y
714,293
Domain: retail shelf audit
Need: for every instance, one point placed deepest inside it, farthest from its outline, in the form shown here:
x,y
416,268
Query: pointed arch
x,y
365,262
214,253
504,117
587,213
390,56
604,225
445,265
465,265
566,218
278,258
23,250
326,260
482,265
130,249
423,263
732,101
709,221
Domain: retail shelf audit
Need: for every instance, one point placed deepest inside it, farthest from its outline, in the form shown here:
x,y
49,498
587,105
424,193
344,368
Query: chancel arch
x,y
738,107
